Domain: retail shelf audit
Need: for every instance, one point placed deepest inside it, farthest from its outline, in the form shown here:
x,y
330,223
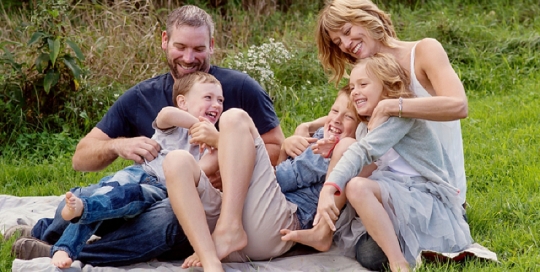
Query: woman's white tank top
x,y
449,133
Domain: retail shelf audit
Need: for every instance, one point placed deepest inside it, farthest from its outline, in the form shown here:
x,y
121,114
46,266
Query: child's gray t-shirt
x,y
169,139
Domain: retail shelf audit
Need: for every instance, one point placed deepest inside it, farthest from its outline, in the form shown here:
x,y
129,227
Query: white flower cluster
x,y
259,62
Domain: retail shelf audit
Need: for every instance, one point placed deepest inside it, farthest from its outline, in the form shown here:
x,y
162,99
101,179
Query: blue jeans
x,y
306,200
124,195
116,246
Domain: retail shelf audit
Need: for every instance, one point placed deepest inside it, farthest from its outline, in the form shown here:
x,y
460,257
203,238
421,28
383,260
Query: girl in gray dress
x,y
407,204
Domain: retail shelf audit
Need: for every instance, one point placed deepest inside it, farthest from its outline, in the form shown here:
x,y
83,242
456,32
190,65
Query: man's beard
x,y
173,66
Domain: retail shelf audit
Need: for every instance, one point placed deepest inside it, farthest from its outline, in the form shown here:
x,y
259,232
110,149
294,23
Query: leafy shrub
x,y
34,94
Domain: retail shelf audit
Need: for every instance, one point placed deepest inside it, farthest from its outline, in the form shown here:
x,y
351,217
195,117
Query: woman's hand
x,y
327,209
295,145
380,114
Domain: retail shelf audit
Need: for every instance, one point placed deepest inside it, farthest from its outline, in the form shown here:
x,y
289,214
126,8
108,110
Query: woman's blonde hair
x,y
395,80
334,15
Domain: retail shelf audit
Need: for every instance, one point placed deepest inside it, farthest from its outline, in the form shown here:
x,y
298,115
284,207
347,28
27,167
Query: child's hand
x,y
204,134
327,209
295,145
324,147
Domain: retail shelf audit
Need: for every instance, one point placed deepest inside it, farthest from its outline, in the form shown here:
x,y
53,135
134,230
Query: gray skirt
x,y
425,216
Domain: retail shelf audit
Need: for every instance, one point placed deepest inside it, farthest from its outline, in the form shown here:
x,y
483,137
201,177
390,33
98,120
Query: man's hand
x,y
204,134
327,209
137,149
295,145
324,147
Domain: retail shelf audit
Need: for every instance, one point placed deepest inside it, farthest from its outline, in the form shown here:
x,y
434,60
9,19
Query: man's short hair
x,y
189,15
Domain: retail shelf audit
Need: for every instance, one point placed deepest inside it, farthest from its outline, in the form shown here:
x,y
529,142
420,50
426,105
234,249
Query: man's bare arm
x,y
97,150
273,140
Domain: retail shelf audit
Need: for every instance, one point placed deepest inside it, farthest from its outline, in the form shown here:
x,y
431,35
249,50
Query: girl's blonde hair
x,y
334,15
395,80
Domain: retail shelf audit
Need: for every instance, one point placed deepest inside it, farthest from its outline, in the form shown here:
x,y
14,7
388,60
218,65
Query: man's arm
x,y
97,150
272,141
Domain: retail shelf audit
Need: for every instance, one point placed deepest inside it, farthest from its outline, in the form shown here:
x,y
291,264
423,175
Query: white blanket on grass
x,y
27,210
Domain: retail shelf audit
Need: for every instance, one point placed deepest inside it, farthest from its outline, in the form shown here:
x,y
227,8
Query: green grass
x,y
493,45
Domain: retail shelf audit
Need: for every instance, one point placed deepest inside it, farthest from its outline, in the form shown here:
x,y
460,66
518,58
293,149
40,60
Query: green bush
x,y
34,95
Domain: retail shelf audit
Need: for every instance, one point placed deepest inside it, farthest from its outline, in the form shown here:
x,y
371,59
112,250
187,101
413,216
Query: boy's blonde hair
x,y
346,90
395,80
183,85
334,15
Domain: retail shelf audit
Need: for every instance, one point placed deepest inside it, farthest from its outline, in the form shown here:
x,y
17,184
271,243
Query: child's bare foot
x,y
73,207
229,239
61,259
400,267
319,237
192,261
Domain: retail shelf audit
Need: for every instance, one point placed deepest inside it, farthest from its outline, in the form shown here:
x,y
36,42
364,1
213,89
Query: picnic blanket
x,y
28,210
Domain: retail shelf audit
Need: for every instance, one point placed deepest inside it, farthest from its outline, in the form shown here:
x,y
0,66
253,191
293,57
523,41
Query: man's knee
x,y
369,254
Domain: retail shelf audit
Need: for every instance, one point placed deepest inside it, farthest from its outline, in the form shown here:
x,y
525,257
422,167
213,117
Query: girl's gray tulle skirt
x,y
425,216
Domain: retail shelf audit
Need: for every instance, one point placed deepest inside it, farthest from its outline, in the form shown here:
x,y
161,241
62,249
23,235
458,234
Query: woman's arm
x,y
435,73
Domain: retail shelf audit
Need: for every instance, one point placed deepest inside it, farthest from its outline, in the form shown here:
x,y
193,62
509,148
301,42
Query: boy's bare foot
x,y
73,208
228,240
192,261
319,237
61,259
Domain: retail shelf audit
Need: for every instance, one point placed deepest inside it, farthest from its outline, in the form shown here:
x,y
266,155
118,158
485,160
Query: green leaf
x,y
41,62
51,78
71,63
54,49
35,37
76,49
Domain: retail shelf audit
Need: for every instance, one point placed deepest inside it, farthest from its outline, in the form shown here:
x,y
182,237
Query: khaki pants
x,y
266,211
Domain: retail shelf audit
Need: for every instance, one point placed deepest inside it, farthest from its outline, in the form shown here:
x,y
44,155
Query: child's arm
x,y
308,128
368,149
204,134
295,145
170,117
209,163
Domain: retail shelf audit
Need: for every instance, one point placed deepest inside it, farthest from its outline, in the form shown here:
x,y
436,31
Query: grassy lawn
x,y
493,46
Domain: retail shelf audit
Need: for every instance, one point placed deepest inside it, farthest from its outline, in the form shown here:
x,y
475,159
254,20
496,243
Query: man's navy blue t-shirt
x,y
135,110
